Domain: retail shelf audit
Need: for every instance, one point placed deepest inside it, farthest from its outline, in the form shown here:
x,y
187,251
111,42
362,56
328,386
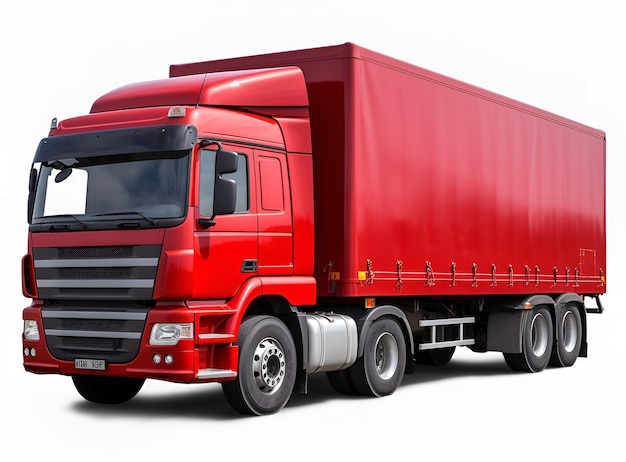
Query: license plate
x,y
90,364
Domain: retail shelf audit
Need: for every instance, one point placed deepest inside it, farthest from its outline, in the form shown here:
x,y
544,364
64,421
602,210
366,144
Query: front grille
x,y
109,331
93,273
96,273
92,324
96,252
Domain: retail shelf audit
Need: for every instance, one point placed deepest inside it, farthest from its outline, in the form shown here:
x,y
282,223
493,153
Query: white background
x,y
568,57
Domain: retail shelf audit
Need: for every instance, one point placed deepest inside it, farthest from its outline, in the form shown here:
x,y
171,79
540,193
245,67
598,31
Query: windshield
x,y
141,189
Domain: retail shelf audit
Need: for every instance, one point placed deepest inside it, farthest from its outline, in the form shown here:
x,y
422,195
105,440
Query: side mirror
x,y
225,196
224,189
226,162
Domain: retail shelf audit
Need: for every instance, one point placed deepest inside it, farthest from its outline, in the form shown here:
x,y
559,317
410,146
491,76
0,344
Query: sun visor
x,y
121,141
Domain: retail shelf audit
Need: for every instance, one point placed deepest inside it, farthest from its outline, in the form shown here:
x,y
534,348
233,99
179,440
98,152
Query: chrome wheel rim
x,y
268,365
539,330
386,356
569,331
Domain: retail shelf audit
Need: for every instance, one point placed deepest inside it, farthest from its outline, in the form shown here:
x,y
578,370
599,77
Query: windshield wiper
x,y
128,212
68,215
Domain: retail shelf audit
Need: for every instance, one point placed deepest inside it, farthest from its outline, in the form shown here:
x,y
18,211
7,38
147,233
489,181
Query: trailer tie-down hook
x,y
399,270
430,275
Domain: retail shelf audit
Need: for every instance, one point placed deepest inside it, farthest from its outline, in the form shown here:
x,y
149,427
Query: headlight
x,y
31,330
170,334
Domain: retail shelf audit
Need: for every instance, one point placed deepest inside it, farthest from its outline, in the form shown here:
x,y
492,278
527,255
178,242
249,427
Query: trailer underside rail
x,y
440,330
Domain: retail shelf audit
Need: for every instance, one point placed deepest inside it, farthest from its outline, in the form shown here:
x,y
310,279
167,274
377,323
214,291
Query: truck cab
x,y
157,217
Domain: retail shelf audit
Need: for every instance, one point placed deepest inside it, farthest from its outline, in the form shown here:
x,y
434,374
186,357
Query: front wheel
x,y
267,367
107,390
537,338
380,370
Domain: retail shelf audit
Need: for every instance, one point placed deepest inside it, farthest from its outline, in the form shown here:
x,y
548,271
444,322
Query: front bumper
x,y
209,357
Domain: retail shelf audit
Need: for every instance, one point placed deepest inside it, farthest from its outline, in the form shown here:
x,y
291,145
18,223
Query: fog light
x,y
31,330
33,352
26,352
170,334
169,359
156,359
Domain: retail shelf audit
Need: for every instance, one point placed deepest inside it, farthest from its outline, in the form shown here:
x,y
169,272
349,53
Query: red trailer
x,y
256,220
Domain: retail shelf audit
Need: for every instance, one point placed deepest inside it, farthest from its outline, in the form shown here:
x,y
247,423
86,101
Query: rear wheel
x,y
267,367
380,370
107,390
569,337
537,339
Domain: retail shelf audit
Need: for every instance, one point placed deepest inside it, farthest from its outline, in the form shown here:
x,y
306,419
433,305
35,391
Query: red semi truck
x,y
255,220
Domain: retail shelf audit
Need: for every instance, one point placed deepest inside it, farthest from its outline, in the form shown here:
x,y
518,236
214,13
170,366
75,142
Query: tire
x,y
342,382
107,390
537,341
439,357
380,370
267,367
567,344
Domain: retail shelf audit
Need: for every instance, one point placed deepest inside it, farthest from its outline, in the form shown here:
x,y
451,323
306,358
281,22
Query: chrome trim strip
x,y
93,334
215,374
96,283
216,336
96,262
94,315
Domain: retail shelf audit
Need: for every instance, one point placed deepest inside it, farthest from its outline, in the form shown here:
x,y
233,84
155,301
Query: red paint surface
x,y
413,167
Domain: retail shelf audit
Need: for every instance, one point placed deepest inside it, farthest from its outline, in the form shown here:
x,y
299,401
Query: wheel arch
x,y
278,297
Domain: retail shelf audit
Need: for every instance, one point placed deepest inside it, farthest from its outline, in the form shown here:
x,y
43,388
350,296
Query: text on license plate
x,y
91,364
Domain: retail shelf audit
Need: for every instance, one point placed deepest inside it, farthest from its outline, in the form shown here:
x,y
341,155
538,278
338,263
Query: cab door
x,y
226,253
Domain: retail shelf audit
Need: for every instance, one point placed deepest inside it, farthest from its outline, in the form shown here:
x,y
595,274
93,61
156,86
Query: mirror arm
x,y
207,142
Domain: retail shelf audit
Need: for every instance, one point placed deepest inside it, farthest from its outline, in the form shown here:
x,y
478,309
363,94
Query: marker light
x,y
31,330
169,334
177,111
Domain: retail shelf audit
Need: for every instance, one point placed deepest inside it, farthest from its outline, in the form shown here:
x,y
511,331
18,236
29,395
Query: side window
x,y
207,183
271,184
